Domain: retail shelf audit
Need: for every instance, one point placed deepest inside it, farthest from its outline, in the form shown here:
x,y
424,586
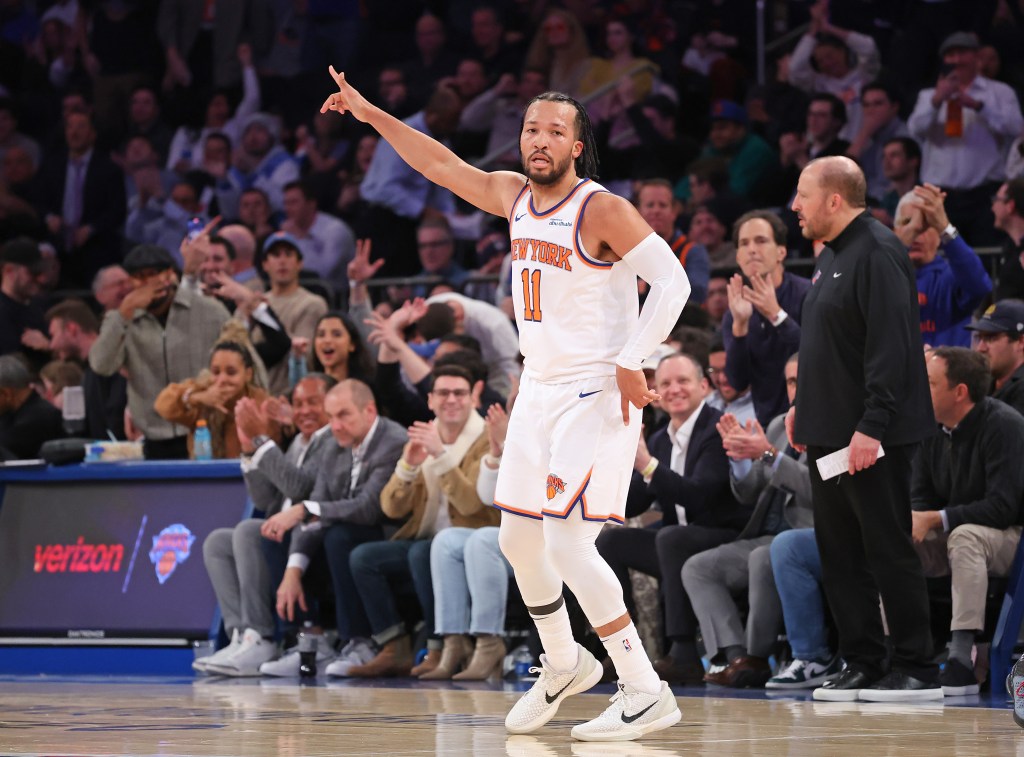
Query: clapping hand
x,y
424,434
761,294
278,409
496,423
250,421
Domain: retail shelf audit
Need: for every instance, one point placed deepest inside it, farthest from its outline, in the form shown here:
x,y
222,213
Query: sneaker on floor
x,y
958,680
900,687
631,715
845,687
805,674
538,705
202,665
357,652
287,665
253,652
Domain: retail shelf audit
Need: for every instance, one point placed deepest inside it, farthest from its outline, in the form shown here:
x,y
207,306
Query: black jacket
x,y
704,491
23,431
974,472
1012,392
861,356
758,360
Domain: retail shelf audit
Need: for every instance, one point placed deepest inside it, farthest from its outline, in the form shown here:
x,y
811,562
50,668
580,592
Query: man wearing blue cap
x,y
999,336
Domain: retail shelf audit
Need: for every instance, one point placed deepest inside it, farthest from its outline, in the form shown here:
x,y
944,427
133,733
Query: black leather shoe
x,y
900,687
845,687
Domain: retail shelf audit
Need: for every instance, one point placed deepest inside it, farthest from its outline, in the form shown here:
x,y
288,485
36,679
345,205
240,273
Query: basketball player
x,y
573,433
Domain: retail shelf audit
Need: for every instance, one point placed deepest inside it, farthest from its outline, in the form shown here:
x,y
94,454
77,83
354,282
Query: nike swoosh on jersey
x,y
630,718
836,275
520,217
587,394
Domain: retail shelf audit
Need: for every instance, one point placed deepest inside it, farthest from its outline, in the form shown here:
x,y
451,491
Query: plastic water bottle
x,y
1015,688
202,447
523,662
309,642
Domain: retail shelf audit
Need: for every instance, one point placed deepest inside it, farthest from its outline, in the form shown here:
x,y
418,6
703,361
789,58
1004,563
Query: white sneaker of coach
x,y
631,715
202,665
246,661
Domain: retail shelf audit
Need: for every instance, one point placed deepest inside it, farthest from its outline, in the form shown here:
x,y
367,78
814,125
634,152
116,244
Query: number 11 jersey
x,y
574,312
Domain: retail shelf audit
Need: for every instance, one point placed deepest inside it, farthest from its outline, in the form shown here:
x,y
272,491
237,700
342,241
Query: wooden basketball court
x,y
208,717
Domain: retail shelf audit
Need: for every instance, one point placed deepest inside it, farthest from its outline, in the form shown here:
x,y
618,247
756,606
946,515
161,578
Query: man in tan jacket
x,y
433,487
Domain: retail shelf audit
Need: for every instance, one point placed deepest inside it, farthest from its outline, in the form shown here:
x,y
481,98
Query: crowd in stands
x,y
185,237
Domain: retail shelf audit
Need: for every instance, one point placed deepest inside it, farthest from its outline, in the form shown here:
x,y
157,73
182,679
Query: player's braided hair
x,y
586,164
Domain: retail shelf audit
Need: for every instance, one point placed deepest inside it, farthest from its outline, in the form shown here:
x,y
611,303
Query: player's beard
x,y
552,175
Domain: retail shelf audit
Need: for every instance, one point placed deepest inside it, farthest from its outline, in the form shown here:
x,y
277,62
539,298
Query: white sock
x,y
556,638
631,661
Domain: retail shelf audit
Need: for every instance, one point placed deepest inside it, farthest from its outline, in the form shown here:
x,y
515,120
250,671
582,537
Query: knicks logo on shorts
x,y
555,485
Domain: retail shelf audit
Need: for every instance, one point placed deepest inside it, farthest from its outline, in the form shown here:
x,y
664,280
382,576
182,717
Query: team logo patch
x,y
171,547
625,643
555,485
815,277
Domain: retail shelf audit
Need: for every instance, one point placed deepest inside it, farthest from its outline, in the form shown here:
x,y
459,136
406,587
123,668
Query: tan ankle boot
x,y
395,659
487,659
428,663
457,649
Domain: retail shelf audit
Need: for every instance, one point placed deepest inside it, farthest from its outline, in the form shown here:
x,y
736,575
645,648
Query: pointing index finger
x,y
338,77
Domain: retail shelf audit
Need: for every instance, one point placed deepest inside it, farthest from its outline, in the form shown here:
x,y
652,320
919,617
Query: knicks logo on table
x,y
555,485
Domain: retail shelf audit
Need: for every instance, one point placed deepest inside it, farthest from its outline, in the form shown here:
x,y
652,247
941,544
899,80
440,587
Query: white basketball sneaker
x,y
631,715
202,665
287,665
246,661
538,705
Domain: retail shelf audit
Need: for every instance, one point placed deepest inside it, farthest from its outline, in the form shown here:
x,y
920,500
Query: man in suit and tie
x,y
765,471
83,203
243,565
342,512
685,470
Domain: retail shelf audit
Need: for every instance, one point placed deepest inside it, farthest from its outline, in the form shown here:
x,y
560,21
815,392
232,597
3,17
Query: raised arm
x,y
491,192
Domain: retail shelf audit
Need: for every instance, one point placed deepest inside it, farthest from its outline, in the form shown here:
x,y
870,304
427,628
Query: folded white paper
x,y
838,462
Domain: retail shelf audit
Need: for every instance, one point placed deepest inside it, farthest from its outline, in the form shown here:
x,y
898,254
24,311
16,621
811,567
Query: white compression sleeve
x,y
653,261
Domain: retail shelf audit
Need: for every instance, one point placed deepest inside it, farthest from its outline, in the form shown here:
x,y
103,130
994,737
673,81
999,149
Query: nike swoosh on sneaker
x,y
520,217
551,699
630,718
587,394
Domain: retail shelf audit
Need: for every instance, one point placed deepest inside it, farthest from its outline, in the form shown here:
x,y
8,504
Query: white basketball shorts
x,y
568,448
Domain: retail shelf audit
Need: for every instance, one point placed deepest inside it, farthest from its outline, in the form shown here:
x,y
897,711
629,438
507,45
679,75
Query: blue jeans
x,y
470,578
340,540
375,566
797,568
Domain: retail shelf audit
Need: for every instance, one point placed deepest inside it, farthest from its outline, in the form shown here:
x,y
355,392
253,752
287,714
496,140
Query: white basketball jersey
x,y
574,312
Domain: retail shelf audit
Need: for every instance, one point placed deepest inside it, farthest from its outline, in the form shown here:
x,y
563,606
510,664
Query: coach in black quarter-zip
x,y
863,383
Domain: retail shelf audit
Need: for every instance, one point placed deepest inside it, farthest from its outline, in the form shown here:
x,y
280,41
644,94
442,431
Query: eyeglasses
x,y
459,394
